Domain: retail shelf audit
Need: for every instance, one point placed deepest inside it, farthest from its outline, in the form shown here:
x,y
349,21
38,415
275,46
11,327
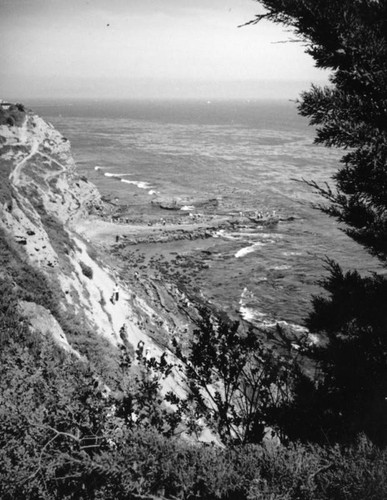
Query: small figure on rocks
x,y
116,295
140,349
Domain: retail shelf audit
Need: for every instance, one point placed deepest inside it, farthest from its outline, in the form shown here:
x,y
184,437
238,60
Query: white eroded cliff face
x,y
38,213
43,181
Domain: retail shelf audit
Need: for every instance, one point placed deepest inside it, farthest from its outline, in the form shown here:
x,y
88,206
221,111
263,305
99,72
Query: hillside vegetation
x,y
62,436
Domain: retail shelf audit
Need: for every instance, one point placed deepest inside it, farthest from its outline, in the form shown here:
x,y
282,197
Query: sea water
x,y
250,156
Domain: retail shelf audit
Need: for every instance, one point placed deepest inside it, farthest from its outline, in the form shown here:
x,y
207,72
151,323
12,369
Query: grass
x,y
59,238
5,185
31,284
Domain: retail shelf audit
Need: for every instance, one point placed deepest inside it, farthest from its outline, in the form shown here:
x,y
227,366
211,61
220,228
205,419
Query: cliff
x,y
43,201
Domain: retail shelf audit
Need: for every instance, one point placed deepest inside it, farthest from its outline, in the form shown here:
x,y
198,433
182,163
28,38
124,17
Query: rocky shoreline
x,y
160,273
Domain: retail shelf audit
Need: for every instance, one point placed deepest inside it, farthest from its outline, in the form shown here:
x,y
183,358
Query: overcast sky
x,y
146,49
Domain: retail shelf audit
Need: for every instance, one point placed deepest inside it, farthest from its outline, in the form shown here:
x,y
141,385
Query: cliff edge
x,y
41,199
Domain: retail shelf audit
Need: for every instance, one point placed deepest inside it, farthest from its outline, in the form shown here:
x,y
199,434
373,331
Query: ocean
x,y
250,156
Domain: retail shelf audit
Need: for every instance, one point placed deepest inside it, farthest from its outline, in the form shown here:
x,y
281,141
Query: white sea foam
x,y
224,234
271,236
246,250
152,191
250,314
187,208
253,315
246,294
280,268
139,184
108,174
246,309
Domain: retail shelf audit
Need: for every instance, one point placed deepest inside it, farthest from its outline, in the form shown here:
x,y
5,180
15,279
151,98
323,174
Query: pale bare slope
x,y
43,175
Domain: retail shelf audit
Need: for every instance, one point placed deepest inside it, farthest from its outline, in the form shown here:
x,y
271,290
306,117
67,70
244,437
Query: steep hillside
x,y
41,201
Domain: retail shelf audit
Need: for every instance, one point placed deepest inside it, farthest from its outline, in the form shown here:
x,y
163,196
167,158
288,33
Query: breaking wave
x,y
249,311
250,249
117,176
120,177
139,184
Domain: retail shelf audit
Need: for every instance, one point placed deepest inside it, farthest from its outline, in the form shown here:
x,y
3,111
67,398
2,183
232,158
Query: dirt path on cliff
x,y
15,175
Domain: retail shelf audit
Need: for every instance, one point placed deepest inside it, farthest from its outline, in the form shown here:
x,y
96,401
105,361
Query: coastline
x,y
162,279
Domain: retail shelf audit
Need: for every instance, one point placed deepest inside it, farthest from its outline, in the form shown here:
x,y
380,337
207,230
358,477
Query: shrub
x,y
86,270
59,438
12,115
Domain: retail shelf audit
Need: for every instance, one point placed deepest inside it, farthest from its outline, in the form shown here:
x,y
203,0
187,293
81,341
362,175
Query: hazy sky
x,y
146,48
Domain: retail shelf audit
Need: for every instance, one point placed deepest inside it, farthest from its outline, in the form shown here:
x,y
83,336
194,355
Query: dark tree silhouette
x,y
348,37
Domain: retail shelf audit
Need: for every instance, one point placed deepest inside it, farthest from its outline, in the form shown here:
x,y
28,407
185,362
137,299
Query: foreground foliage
x,y
63,436
237,383
59,439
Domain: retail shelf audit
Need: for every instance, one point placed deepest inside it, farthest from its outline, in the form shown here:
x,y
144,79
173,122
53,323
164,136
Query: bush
x,y
59,438
86,270
30,284
12,115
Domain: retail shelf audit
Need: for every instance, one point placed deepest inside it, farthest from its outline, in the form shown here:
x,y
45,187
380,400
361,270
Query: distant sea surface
x,y
251,156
